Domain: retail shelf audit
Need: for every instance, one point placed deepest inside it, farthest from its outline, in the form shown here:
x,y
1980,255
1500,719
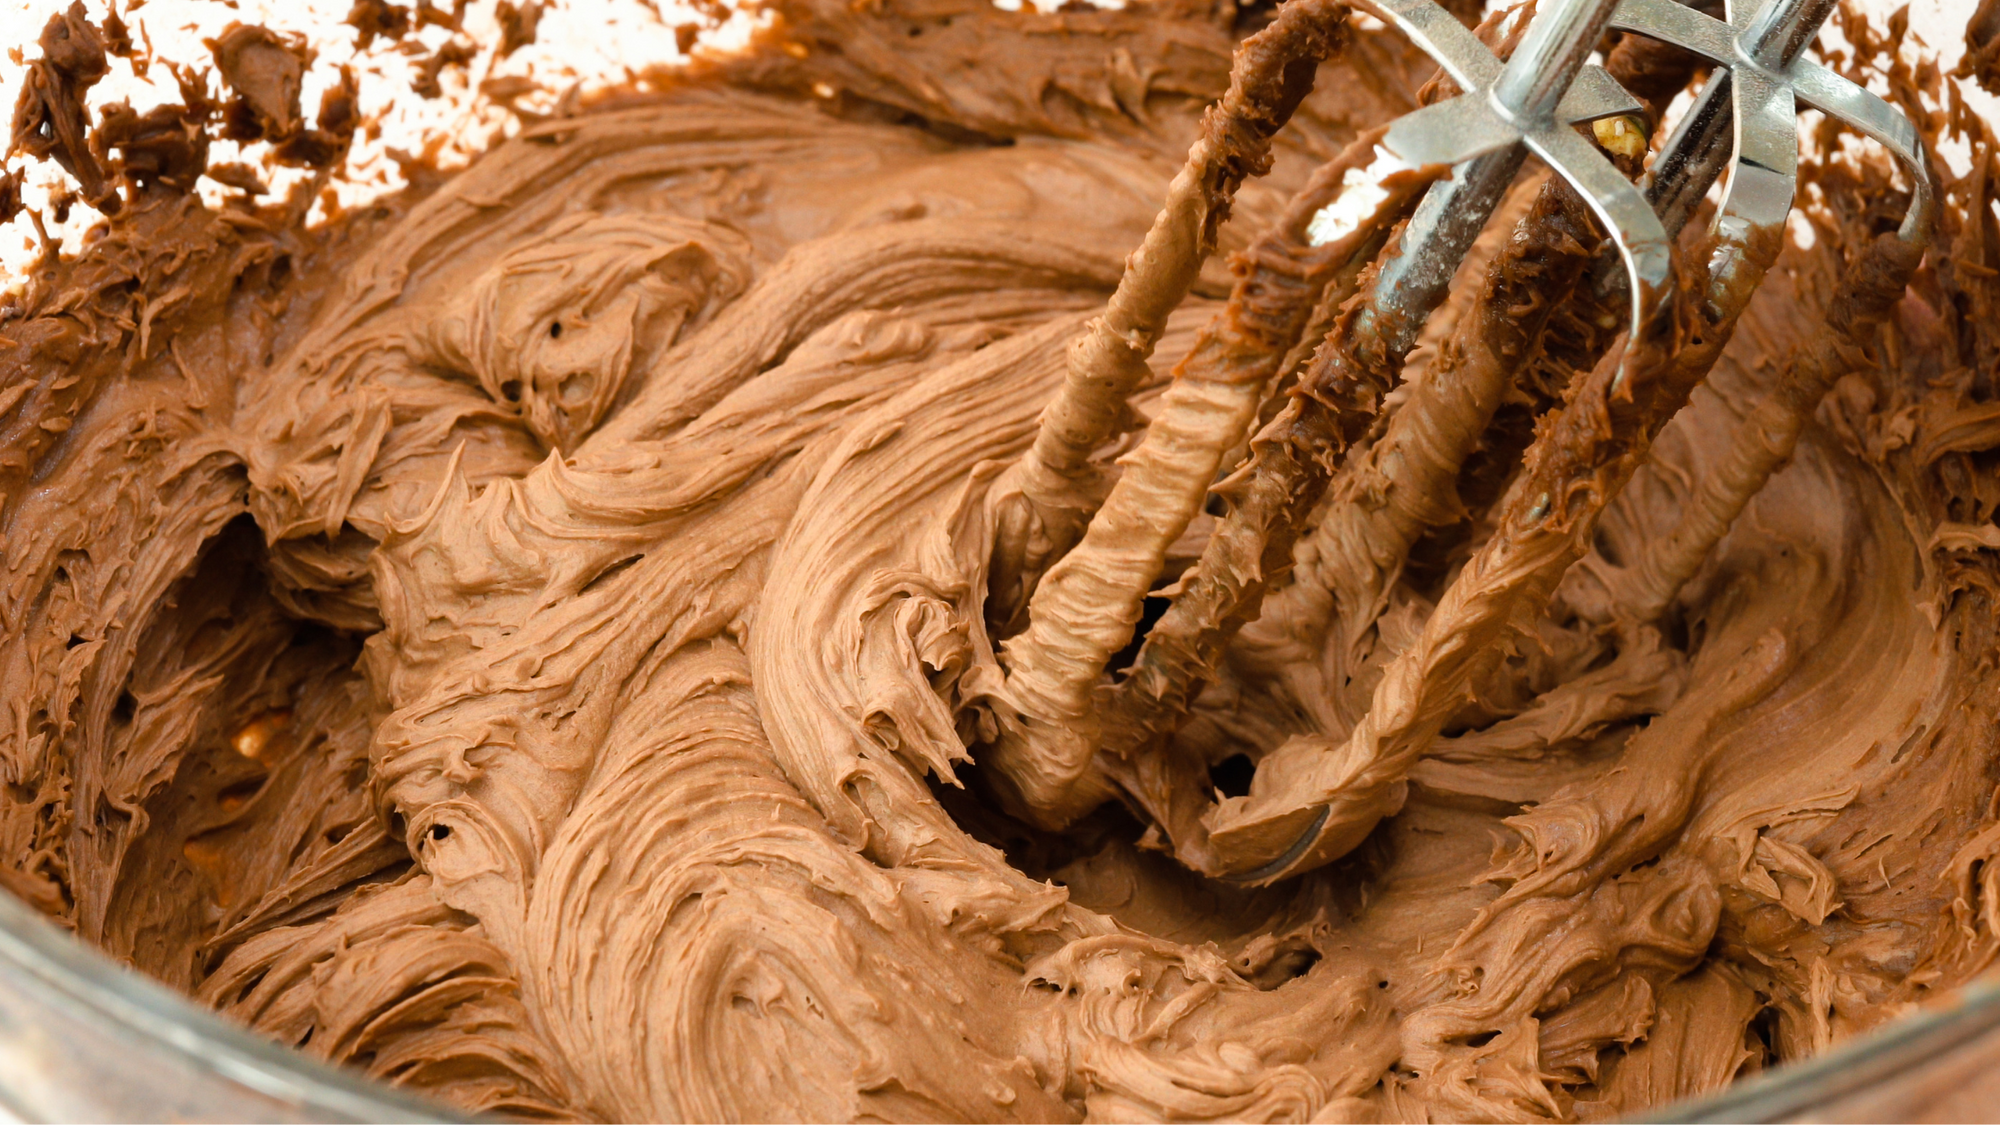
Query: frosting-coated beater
x,y
1324,325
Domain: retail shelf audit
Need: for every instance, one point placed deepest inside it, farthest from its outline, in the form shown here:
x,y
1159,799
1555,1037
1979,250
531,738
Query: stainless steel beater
x,y
1744,121
1072,736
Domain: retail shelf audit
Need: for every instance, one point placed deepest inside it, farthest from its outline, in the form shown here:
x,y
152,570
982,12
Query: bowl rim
x,y
71,972
60,969
1795,1089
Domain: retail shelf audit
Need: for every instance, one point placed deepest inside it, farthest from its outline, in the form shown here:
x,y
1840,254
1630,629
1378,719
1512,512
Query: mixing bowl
x,y
85,1039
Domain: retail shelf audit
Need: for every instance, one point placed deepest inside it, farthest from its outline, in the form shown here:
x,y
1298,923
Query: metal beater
x,y
1744,121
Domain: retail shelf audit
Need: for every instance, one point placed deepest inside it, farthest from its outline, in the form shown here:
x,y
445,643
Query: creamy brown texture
x,y
521,640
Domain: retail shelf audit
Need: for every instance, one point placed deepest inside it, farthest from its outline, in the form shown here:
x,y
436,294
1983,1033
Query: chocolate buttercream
x,y
543,638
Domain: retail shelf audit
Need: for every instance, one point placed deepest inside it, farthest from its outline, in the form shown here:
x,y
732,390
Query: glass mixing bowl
x,y
85,1039
1941,1064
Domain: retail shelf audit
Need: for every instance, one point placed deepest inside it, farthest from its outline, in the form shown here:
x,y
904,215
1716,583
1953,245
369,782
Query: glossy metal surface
x,y
1530,104
1506,111
1753,98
